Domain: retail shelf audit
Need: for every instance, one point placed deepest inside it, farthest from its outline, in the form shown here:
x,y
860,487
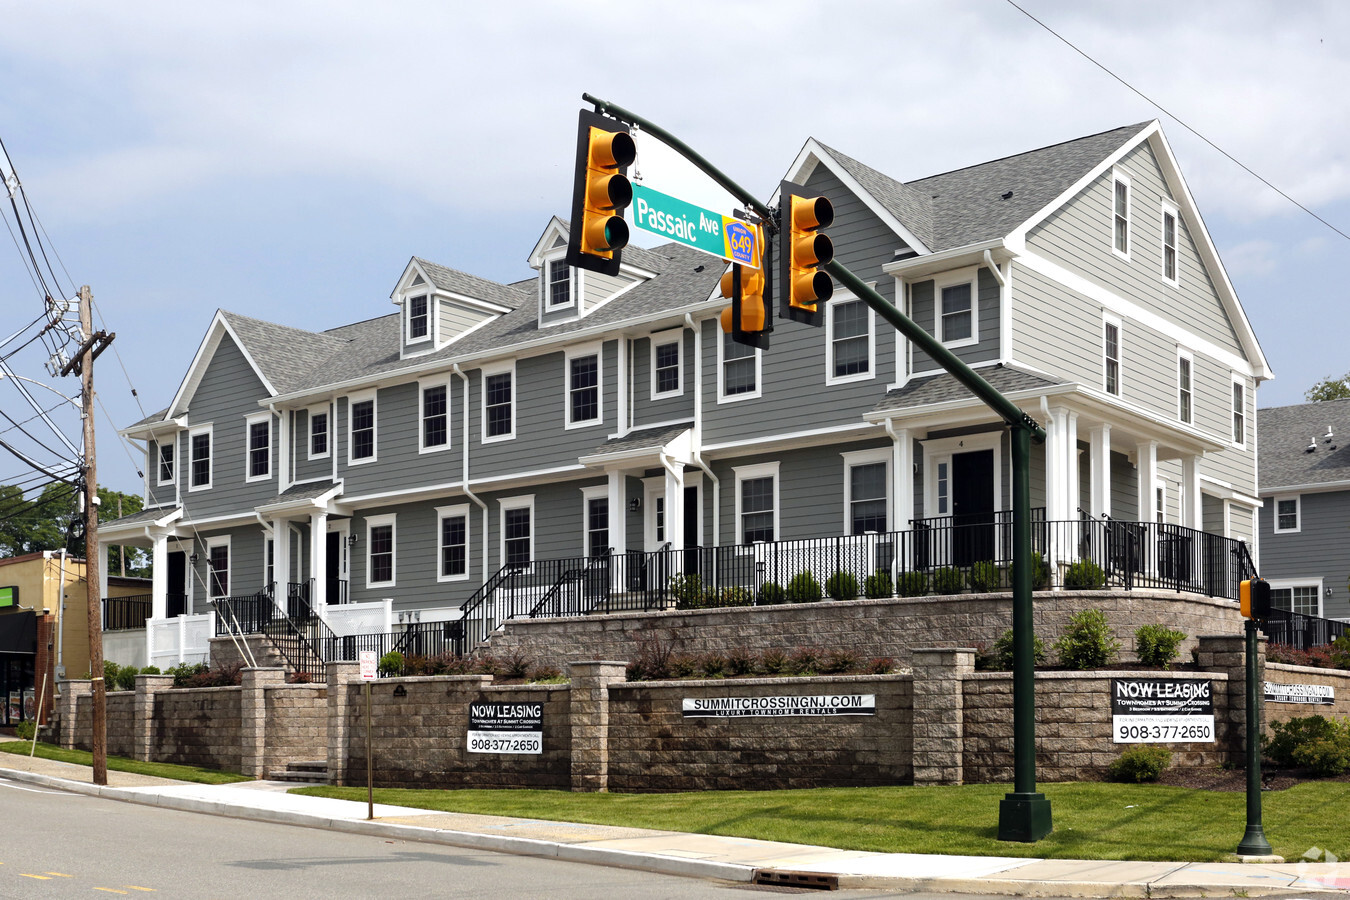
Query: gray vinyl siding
x,y
924,311
453,319
596,288
416,556
302,467
157,494
647,411
1319,548
247,569
228,392
399,464
1078,236
1124,488
1055,330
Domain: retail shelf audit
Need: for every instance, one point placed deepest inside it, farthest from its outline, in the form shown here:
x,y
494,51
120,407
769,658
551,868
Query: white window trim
x,y
1182,353
505,505
867,458
1238,380
352,400
747,473
422,385
249,422
1169,209
594,349
1160,497
485,373
309,432
211,457
962,276
1288,584
425,291
373,522
172,444
1110,319
830,377
595,492
722,396
1298,513
942,450
664,339
451,512
546,286
222,540
1119,176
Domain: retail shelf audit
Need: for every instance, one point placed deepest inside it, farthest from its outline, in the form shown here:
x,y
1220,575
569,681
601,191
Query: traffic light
x,y
1255,598
802,220
600,193
746,319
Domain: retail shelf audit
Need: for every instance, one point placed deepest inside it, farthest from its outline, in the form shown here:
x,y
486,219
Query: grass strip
x,y
122,764
1092,820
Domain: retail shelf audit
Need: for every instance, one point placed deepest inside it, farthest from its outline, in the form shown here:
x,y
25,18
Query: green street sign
x,y
694,226
9,596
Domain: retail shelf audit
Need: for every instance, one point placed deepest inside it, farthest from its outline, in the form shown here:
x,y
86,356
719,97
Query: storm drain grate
x,y
801,880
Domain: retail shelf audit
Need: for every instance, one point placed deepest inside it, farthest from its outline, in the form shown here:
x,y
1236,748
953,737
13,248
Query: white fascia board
x,y
547,241
405,280
112,529
811,438
1317,487
475,302
319,502
812,154
916,267
205,353
148,430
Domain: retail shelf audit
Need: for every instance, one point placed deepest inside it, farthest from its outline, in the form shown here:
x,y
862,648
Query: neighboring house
x,y
1305,520
485,430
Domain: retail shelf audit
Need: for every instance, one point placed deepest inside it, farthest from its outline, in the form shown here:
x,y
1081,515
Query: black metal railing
x,y
336,591
1301,631
244,614
410,639
126,613
298,600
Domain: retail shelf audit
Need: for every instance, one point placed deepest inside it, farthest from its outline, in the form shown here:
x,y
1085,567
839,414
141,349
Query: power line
x,y
1158,106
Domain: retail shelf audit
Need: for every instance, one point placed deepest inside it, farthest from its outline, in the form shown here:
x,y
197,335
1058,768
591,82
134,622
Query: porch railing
x,y
126,613
244,614
1303,632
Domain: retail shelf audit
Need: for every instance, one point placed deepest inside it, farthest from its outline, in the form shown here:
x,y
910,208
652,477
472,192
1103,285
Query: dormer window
x,y
419,321
559,284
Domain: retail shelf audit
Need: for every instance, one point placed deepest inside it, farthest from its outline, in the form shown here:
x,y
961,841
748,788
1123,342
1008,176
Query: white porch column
x,y
318,559
159,577
675,505
1073,497
1099,472
1146,468
902,489
1191,515
281,558
618,512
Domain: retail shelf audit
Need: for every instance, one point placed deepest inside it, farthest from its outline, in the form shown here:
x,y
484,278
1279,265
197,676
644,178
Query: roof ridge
x,y
1133,129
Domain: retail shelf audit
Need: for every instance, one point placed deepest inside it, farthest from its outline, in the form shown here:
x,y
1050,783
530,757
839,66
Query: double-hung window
x,y
518,530
380,563
666,380
435,417
199,458
1169,243
1299,598
218,567
956,314
419,328
453,531
850,340
318,433
559,284
595,501
1120,215
166,455
756,503
583,387
1111,356
866,497
259,454
361,427
1287,515
739,370
1185,391
499,418
1239,413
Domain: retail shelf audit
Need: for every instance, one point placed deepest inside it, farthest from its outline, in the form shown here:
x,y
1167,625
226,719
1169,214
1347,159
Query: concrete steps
x,y
302,772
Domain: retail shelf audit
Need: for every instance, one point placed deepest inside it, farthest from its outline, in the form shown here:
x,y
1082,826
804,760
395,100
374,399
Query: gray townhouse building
x,y
481,429
1304,535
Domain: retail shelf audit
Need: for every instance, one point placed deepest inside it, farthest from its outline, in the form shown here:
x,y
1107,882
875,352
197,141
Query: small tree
x,y
1329,388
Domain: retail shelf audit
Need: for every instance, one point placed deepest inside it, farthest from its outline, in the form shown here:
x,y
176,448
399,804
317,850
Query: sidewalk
x,y
702,856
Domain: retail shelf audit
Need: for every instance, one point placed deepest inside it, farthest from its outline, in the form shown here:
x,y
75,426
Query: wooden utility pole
x,y
93,555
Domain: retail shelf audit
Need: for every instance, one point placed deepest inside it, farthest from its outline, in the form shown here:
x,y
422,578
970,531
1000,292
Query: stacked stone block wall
x,y
653,747
1337,679
297,724
120,709
199,727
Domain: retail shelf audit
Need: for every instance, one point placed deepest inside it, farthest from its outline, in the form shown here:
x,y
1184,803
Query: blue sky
x,y
285,159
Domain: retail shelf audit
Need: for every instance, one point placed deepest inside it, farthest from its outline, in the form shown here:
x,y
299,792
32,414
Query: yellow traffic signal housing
x,y
802,220
601,192
746,319
1254,598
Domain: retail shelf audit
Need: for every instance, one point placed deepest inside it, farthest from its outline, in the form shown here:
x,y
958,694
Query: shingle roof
x,y
457,282
642,439
144,517
966,206
284,354
1284,434
946,389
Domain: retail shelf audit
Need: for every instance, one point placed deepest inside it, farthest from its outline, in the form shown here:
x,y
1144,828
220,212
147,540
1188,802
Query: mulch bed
x,y
1236,779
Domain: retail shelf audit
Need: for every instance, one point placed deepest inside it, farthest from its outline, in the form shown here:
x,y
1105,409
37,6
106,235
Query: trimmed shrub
x,y
842,586
1157,645
740,661
1040,573
879,665
1087,644
391,664
985,577
804,661
735,596
1141,764
1286,738
25,730
948,580
183,673
878,586
1084,575
151,670
774,662
682,665
912,584
839,661
803,588
1326,758
712,665
1001,654
772,593
687,589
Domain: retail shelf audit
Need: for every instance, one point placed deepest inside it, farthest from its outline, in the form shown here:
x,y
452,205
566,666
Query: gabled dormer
x,y
565,293
438,306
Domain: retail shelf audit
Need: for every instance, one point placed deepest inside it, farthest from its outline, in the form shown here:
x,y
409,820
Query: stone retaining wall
x,y
871,628
297,724
198,727
1337,679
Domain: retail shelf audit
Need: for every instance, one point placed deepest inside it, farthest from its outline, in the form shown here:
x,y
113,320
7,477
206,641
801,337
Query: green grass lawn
x,y
121,764
1092,820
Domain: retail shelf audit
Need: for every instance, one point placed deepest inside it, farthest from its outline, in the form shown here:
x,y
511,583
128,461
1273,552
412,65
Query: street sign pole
x,y
369,669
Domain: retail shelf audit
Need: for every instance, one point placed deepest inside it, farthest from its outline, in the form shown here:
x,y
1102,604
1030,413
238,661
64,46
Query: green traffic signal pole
x,y
1024,814
1253,841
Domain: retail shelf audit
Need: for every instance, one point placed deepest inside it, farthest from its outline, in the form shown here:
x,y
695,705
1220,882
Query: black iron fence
x,y
1303,632
126,613
410,639
244,614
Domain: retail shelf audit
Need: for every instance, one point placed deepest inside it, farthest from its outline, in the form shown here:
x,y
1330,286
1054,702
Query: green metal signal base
x,y
1254,841
1024,817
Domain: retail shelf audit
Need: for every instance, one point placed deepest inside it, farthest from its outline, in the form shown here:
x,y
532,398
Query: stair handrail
x,y
484,594
570,574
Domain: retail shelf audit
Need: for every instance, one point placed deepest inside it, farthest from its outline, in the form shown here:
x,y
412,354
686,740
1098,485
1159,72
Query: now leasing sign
x,y
1162,710
694,226
812,705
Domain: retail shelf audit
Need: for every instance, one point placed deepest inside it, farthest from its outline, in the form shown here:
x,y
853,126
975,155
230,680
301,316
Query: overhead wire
x,y
1174,117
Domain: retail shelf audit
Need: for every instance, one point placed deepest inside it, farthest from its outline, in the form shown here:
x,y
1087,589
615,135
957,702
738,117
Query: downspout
x,y
698,431
464,480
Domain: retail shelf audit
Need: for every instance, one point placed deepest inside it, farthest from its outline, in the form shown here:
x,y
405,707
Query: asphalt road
x,y
59,845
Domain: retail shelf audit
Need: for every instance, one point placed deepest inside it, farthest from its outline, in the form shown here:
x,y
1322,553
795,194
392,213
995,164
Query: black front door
x,y
693,530
176,583
972,507
337,588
